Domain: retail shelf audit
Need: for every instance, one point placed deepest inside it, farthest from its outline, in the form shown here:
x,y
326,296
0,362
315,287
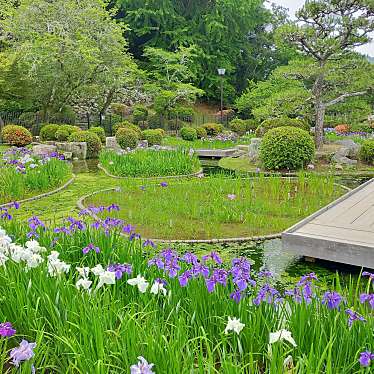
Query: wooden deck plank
x,y
343,232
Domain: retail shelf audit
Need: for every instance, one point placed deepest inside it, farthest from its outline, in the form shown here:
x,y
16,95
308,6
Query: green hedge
x,y
273,123
127,138
213,129
99,131
367,151
127,125
48,132
153,136
286,148
238,125
92,140
188,133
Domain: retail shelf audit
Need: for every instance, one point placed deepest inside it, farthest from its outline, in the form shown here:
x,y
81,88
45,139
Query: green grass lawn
x,y
173,141
218,207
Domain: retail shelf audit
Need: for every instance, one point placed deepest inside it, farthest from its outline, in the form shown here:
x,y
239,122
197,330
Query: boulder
x,y
68,155
254,149
343,160
111,143
77,149
352,147
43,149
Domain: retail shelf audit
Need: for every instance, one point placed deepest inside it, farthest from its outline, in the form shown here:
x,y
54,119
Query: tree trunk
x,y
320,118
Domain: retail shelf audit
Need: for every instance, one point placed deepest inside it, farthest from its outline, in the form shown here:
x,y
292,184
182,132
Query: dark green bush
x,y
92,140
99,131
153,136
238,125
367,151
213,129
127,137
64,131
48,132
156,121
251,124
127,125
139,114
201,132
188,133
286,148
273,123
16,135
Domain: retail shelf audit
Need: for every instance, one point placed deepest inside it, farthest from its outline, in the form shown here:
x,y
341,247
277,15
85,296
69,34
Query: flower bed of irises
x,y
23,175
94,297
150,162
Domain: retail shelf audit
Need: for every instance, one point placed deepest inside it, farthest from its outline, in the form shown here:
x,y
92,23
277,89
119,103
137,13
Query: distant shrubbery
x,y
127,137
239,126
213,129
273,123
99,131
92,140
367,151
201,132
153,136
16,135
286,148
127,125
188,133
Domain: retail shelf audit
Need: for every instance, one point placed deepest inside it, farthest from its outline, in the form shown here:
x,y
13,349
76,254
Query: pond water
x,y
267,255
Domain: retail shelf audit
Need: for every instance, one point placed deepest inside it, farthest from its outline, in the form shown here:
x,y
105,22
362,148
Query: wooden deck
x,y
341,232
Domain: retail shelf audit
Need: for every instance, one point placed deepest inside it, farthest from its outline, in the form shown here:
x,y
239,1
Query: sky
x,y
294,5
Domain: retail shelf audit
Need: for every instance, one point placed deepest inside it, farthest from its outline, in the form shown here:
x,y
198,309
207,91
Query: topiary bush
x,y
127,125
273,123
92,140
64,131
238,125
367,151
99,131
286,148
16,135
127,137
48,132
188,133
213,129
153,136
201,132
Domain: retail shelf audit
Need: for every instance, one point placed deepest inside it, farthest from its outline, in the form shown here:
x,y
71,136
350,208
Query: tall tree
x,y
327,31
68,49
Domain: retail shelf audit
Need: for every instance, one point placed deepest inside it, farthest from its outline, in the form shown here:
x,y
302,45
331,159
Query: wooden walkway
x,y
341,232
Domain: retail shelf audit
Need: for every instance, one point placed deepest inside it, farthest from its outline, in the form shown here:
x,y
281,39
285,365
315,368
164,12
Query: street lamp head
x,y
221,71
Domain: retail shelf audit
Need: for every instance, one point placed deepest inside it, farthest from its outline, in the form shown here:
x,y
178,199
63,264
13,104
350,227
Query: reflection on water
x,y
85,166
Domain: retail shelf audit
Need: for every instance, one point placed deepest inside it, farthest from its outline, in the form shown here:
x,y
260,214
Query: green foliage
x,y
139,114
188,133
64,131
272,123
238,125
92,140
16,135
251,124
153,136
150,163
367,151
127,137
100,132
213,129
286,148
155,121
127,125
48,132
201,132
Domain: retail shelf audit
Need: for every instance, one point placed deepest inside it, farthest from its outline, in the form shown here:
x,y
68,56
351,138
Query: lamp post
x,y
221,73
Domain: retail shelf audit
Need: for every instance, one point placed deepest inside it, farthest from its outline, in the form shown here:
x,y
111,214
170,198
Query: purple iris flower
x,y
15,205
163,184
156,261
332,299
22,353
113,207
267,294
142,188
5,215
133,236
241,273
214,257
367,274
120,269
184,278
35,223
190,258
366,358
353,316
200,269
307,278
265,274
6,330
89,248
149,243
128,229
236,296
367,298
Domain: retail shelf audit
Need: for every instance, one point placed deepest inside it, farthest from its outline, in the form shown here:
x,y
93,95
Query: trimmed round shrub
x,y
286,148
273,123
161,131
16,135
341,129
188,133
127,138
64,131
238,125
201,132
99,131
92,140
127,125
139,114
153,136
367,151
251,124
48,132
213,129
